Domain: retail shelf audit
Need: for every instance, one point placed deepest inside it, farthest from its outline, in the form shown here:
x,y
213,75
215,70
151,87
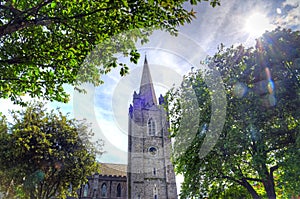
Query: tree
x,y
258,147
45,154
44,44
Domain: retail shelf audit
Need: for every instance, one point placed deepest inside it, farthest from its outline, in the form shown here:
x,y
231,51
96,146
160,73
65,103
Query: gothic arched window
x,y
119,190
103,190
154,171
151,127
85,190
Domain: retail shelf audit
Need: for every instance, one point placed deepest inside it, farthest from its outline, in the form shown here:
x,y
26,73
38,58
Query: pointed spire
x,y
146,87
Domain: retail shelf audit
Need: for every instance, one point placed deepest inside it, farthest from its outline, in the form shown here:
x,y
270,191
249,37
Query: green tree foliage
x,y
43,44
45,154
258,148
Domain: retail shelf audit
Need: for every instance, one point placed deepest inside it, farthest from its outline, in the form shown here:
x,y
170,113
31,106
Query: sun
x,y
257,24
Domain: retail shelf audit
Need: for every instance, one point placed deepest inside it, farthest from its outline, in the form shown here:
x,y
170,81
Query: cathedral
x,y
149,173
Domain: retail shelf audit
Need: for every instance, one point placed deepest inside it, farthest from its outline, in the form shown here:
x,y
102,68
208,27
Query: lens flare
x,y
272,100
268,73
271,86
239,90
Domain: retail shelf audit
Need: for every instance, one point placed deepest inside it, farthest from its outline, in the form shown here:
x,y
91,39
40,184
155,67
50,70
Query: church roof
x,y
146,87
113,169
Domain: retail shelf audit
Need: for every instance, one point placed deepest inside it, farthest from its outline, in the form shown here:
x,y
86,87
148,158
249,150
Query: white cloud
x,y
6,106
111,134
293,3
289,15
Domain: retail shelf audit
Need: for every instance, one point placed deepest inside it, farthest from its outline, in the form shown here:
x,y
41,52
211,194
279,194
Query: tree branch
x,y
283,143
19,21
272,169
231,178
50,188
20,25
55,190
17,60
35,10
252,179
11,9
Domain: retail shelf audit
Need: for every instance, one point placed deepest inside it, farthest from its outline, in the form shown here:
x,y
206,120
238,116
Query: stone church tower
x,y
150,174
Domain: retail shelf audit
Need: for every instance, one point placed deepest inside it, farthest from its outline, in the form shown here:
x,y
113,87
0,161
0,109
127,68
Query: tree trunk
x,y
268,181
269,187
32,195
250,189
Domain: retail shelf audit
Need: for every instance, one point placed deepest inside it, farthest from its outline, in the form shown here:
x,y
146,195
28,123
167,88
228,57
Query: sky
x,y
234,22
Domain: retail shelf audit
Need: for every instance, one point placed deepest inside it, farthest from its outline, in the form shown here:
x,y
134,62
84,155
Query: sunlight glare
x,y
257,24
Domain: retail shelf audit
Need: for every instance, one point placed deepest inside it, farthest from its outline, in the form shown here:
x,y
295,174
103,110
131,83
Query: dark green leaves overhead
x,y
43,44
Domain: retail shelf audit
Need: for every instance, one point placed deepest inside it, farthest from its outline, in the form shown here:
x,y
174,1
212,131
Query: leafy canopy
x,y
45,154
44,44
257,152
